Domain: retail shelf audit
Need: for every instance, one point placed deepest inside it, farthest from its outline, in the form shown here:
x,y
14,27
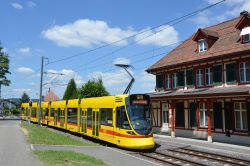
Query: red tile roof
x,y
228,42
51,96
206,33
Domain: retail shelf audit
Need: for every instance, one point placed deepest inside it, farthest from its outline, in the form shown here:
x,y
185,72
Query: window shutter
x,y
230,73
228,106
159,81
217,74
192,114
217,109
179,112
248,115
190,77
180,79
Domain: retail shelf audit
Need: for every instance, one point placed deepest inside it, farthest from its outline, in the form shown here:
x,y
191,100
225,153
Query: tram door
x,y
83,120
55,117
95,120
62,117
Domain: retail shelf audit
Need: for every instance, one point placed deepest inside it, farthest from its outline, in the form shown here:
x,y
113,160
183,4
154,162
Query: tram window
x,y
58,113
72,115
121,118
45,112
89,117
106,116
27,111
52,112
33,112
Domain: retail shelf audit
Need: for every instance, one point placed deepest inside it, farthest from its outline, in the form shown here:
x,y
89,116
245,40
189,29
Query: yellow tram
x,y
123,120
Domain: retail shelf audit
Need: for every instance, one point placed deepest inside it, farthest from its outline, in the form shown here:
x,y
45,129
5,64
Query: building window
x,y
168,85
244,72
217,75
199,77
230,73
240,115
204,115
246,38
174,81
190,78
159,81
202,45
180,79
209,77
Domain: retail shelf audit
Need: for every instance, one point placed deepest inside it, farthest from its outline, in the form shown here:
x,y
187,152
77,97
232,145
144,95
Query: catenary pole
x,y
41,89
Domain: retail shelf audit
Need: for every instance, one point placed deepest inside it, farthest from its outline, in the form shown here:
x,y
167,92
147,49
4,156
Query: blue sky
x,y
58,29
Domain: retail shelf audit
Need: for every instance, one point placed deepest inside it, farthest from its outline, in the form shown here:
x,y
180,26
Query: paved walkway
x,y
14,149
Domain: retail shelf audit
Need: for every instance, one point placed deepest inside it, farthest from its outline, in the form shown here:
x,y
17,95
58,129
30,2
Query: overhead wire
x,y
139,33
173,21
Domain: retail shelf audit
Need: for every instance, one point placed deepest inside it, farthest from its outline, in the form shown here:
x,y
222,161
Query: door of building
x,y
165,120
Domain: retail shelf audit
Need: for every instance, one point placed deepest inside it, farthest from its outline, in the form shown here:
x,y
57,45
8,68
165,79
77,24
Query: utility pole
x,y
41,90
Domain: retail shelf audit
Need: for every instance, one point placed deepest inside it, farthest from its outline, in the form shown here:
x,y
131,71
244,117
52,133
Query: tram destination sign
x,y
139,99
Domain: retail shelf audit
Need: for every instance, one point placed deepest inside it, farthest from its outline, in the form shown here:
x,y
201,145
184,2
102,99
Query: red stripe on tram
x,y
110,132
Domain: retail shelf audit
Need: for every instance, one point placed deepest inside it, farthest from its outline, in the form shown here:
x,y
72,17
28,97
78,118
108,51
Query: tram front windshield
x,y
138,107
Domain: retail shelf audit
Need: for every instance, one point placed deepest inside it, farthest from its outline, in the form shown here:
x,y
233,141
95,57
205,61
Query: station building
x,y
203,85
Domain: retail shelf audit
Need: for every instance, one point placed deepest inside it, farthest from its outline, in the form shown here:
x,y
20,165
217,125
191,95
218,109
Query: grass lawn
x,y
58,158
40,135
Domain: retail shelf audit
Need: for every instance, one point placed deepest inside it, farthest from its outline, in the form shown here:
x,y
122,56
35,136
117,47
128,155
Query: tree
x,y
93,88
71,91
25,98
4,69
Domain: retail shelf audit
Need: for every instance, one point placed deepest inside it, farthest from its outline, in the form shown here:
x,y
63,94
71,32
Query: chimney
x,y
244,13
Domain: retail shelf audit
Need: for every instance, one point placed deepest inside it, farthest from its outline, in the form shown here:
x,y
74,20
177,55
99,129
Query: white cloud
x,y
161,36
121,61
31,4
144,82
21,90
67,75
25,70
5,49
16,5
231,8
112,80
86,33
25,50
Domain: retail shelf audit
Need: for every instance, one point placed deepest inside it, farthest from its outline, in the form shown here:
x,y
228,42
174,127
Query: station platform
x,y
164,141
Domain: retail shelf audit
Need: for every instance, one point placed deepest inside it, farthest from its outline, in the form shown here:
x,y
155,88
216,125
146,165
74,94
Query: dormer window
x,y
202,45
245,38
245,35
204,36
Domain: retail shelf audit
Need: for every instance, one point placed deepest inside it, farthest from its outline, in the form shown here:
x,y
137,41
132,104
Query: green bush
x,y
15,111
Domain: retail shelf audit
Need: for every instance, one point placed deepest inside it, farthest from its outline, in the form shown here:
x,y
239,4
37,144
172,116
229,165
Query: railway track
x,y
175,157
213,157
170,159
